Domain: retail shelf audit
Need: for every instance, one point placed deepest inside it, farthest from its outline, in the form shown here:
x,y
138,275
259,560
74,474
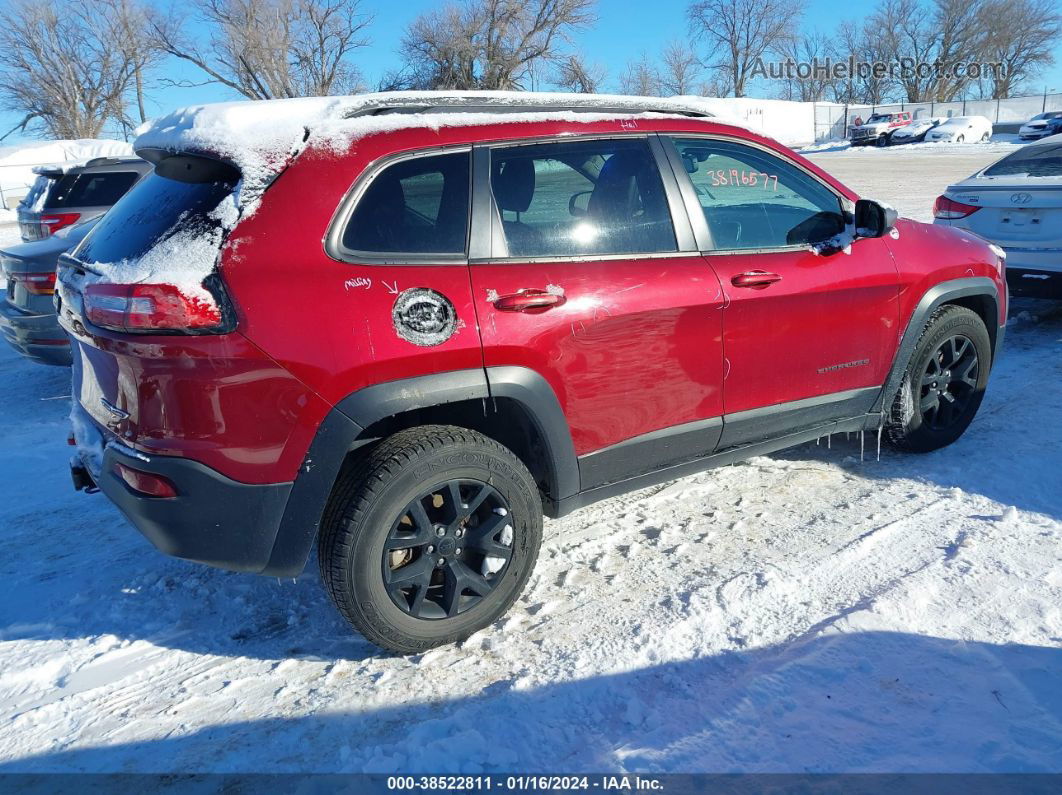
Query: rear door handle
x,y
528,301
755,279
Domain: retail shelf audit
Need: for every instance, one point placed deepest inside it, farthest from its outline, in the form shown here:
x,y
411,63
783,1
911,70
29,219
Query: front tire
x,y
944,383
429,537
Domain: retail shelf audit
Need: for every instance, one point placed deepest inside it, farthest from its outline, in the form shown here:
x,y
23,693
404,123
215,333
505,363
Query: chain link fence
x,y
833,120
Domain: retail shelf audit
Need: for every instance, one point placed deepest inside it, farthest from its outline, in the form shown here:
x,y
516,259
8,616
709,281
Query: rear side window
x,y
415,206
90,190
753,199
1035,161
155,209
580,198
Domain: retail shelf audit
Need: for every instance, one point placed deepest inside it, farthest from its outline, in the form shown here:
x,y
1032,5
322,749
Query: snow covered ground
x,y
9,234
807,611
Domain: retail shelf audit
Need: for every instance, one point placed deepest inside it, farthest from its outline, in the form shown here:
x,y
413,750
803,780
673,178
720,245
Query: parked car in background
x,y
962,129
429,331
65,195
878,128
1036,127
27,314
913,132
1053,127
1016,203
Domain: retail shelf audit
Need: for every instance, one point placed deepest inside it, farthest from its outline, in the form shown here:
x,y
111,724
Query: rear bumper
x,y
1033,283
212,520
38,337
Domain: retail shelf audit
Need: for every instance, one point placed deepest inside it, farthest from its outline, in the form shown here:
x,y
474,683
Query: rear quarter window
x,y
415,206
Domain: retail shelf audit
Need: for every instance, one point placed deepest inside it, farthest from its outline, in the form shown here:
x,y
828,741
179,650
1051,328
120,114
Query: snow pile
x,y
789,122
18,162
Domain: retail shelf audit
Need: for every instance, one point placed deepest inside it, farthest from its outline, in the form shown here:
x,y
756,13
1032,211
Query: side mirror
x,y
873,219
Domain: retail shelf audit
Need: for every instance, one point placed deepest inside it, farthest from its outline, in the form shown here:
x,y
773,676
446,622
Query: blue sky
x,y
624,30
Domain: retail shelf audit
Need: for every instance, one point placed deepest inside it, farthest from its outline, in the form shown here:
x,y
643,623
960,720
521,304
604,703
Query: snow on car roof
x,y
259,137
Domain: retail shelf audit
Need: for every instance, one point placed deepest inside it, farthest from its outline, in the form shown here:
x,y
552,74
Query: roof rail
x,y
393,104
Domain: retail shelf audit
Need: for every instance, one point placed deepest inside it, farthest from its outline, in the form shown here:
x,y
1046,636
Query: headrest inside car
x,y
514,184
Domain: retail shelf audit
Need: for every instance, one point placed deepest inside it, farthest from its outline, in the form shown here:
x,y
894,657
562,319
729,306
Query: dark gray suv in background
x,y
66,195
62,207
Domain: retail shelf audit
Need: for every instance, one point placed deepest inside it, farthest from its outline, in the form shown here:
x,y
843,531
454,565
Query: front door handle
x,y
528,301
755,279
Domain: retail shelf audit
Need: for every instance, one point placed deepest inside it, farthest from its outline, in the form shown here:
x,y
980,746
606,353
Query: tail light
x,y
145,482
147,308
53,222
948,209
35,283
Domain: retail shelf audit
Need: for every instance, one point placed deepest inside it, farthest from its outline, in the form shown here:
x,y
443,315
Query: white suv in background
x,y
962,130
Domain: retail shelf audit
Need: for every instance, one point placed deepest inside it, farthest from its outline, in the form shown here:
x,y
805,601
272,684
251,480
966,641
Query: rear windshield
x,y
1034,161
90,190
157,208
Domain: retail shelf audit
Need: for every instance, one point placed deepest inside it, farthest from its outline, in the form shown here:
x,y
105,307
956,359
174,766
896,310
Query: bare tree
x,y
69,68
738,33
575,74
1022,35
961,40
490,44
927,41
812,48
865,44
266,49
681,70
640,78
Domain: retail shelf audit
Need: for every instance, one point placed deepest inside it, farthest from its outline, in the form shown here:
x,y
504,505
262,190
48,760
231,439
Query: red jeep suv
x,y
404,327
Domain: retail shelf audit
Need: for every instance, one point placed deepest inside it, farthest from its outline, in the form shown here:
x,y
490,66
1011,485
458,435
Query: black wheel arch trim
x,y
931,300
520,384
342,431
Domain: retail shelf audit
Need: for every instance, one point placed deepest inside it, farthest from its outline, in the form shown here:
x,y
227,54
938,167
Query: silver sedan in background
x,y
1017,204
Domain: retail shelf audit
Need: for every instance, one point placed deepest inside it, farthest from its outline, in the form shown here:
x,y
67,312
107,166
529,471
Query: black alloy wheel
x,y
448,549
948,383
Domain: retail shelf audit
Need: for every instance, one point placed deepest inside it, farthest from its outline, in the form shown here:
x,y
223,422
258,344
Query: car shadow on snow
x,y
844,701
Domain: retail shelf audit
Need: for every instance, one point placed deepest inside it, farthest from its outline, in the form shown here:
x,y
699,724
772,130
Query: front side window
x,y
414,206
581,198
752,199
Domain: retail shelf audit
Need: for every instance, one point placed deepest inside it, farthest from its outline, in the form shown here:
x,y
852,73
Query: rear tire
x,y
409,578
943,384
986,138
